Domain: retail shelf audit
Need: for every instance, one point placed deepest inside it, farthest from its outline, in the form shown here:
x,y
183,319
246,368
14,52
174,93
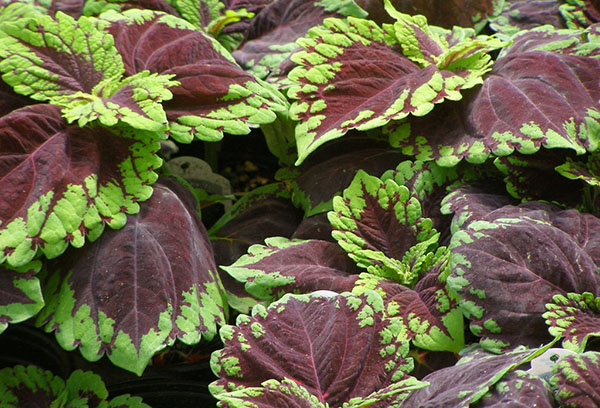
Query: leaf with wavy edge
x,y
51,197
135,290
576,380
293,266
351,75
317,342
541,93
381,227
574,317
518,389
28,386
534,249
214,94
580,13
20,293
74,64
588,171
524,15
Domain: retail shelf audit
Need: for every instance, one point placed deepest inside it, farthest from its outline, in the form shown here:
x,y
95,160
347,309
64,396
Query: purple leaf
x,y
518,389
134,291
580,13
507,265
542,92
575,317
9,100
337,348
20,293
214,96
526,14
464,384
577,380
284,266
53,194
272,34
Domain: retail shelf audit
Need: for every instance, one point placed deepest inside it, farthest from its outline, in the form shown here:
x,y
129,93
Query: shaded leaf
x,y
337,348
80,70
293,266
214,96
381,227
272,34
53,195
9,100
510,263
575,317
587,170
20,293
576,382
541,92
134,291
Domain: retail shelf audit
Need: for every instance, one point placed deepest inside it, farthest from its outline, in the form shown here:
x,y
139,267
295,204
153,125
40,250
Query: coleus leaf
x,y
29,386
381,227
465,383
51,197
429,313
135,290
588,170
20,293
10,100
317,342
341,83
580,13
525,250
272,34
214,96
540,93
517,15
575,317
293,266
327,172
533,177
576,380
518,389
81,71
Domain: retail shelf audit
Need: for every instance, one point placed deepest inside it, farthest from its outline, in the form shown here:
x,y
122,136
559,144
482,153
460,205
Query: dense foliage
x,y
431,231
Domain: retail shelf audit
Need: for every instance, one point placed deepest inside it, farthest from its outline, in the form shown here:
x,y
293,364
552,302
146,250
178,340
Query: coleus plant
x,y
438,176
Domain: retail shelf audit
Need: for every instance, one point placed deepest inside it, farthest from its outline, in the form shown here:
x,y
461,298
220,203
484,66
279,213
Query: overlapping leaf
x,y
507,265
293,266
352,75
214,96
518,15
518,389
81,71
337,348
541,92
575,318
60,183
580,13
20,293
382,228
272,35
31,386
135,290
587,170
469,380
576,382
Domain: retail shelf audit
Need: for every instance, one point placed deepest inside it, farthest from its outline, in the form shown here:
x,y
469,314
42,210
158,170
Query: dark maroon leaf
x,y
542,92
337,348
526,14
272,34
518,389
507,265
135,290
580,13
577,380
468,381
314,227
9,100
20,293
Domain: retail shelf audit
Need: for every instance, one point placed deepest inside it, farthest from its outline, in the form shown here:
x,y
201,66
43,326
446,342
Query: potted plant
x,y
429,213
